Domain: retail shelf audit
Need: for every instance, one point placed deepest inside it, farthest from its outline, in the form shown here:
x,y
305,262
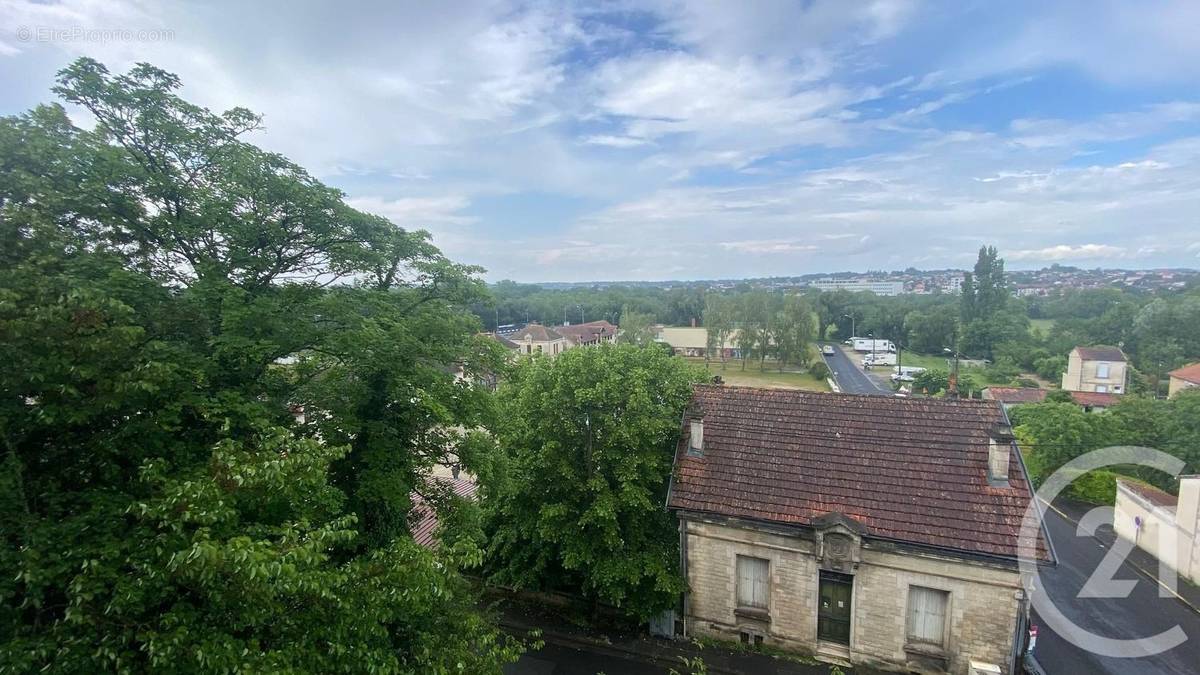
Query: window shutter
x,y
927,614
752,582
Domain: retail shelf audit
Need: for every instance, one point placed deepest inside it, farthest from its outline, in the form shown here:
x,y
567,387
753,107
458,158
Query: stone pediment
x,y
838,542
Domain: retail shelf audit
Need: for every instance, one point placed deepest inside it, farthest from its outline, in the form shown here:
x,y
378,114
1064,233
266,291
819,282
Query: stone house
x,y
865,530
538,339
1096,369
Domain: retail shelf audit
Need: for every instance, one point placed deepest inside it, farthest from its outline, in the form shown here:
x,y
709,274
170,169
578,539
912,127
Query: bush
x,y
1095,487
819,370
1026,383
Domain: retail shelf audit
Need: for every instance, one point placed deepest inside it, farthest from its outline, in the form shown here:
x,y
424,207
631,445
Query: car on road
x,y
827,350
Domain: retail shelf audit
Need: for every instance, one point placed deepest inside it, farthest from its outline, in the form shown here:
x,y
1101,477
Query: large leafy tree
x,y
172,298
590,437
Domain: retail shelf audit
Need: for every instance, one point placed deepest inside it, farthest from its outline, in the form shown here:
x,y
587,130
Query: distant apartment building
x,y
1098,369
855,285
953,284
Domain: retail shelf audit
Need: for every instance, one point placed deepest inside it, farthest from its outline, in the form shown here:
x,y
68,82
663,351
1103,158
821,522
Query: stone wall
x,y
982,610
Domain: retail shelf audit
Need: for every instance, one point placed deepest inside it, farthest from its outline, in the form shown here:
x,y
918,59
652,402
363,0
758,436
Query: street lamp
x,y
853,329
952,385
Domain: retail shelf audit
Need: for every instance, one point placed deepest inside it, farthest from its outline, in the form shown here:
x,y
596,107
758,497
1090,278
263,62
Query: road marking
x,y
1134,565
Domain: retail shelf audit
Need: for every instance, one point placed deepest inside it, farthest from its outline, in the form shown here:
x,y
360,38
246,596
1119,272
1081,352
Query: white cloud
x,y
1068,252
760,246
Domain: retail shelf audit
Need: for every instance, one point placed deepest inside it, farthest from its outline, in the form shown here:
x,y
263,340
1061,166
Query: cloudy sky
x,y
662,140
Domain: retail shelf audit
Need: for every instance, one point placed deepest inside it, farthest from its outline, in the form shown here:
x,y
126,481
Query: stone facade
x,y
983,610
1085,375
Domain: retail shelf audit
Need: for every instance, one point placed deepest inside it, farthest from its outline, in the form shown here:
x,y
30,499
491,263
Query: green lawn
x,y
923,361
1043,325
770,377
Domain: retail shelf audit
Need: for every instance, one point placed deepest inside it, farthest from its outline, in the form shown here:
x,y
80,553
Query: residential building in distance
x,y
1184,378
1165,526
874,531
1097,369
854,285
538,339
588,334
693,341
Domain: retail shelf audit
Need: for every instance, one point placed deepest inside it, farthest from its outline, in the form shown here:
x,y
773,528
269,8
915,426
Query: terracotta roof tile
x,y
1189,373
1150,493
422,519
1015,394
587,333
1098,399
913,470
537,332
1101,353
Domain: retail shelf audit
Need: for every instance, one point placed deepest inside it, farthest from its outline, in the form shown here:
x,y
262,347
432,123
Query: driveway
x,y
1140,614
849,375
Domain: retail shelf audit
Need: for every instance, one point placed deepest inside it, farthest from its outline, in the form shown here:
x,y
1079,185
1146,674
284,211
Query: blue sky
x,y
669,140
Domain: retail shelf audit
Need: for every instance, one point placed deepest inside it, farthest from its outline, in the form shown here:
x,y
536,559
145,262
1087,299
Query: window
x,y
1102,370
927,615
752,582
1102,389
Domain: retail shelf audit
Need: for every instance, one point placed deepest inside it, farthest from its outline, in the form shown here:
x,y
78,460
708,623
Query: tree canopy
x,y
590,438
221,385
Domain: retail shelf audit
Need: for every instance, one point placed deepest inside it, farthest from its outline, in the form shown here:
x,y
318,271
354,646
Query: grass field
x,y
1043,325
770,377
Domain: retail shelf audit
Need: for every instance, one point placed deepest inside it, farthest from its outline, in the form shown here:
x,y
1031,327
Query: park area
x,y
770,376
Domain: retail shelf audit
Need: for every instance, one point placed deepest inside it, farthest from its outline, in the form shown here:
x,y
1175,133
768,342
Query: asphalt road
x,y
554,659
850,376
1142,613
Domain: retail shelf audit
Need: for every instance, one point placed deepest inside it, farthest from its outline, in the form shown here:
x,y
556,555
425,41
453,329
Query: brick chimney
x,y
1000,444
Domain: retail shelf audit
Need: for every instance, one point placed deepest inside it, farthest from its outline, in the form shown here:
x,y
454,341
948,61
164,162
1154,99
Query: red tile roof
x,y
536,332
1095,399
587,333
422,519
1100,353
1149,493
912,470
1189,373
1015,394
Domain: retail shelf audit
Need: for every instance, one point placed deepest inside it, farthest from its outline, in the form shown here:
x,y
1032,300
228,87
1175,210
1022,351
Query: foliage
x,y
636,328
1095,487
1055,432
590,439
819,370
166,307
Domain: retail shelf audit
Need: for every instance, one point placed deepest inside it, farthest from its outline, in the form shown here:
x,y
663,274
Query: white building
x,y
855,285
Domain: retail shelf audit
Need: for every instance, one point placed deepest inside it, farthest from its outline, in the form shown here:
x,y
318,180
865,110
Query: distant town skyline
x,y
669,140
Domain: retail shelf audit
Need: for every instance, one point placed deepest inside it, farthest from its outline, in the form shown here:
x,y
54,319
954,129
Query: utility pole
x,y
581,314
496,329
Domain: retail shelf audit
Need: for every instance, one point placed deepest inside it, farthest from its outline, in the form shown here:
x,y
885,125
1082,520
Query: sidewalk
x,y
662,652
1184,591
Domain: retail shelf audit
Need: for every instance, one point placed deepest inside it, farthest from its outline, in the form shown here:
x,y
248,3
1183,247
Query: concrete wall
x,y
982,611
1082,375
1169,534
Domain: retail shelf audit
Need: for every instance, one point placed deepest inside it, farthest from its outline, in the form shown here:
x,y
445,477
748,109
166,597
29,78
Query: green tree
x,y
590,438
169,299
636,328
718,323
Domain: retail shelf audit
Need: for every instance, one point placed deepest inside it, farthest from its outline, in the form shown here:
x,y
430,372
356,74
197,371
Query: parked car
x,y
827,350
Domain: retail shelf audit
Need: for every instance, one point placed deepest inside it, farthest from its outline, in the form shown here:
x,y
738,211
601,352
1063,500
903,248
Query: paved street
x,y
1142,613
555,659
850,376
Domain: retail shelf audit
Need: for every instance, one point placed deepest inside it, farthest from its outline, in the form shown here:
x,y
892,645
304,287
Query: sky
x,y
659,140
